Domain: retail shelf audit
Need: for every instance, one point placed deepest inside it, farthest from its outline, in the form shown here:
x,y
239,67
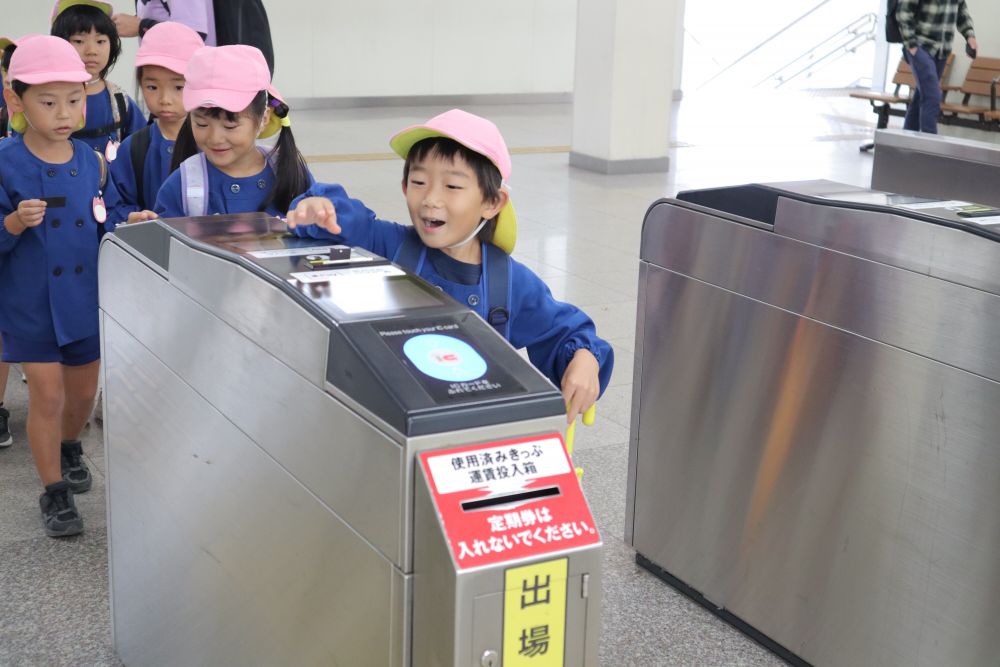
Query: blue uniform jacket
x,y
155,171
551,331
225,193
48,273
99,115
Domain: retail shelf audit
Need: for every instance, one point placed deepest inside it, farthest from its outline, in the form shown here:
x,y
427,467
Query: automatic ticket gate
x,y
316,458
938,166
815,444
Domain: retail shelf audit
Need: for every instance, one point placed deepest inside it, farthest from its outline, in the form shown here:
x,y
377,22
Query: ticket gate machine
x,y
314,457
814,451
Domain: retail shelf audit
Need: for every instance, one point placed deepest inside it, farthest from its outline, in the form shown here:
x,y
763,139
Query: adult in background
x,y
199,15
220,22
928,28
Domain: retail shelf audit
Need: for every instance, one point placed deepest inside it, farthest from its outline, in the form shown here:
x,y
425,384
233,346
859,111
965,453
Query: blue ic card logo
x,y
444,358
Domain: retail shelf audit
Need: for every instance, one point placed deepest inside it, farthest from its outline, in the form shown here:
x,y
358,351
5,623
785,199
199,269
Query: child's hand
x,y
580,384
314,211
141,216
31,212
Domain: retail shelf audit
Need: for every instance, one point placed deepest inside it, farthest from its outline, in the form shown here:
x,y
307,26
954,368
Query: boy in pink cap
x,y
56,200
220,169
143,162
455,180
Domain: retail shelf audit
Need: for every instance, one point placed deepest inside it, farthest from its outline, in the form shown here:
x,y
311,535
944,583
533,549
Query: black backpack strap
x,y
122,111
119,125
408,255
137,152
497,288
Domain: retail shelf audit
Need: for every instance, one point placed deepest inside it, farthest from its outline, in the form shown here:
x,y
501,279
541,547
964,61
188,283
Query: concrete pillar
x,y
624,84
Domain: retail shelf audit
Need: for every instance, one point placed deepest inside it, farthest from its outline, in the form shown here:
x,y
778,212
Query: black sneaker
x,y
74,470
5,439
59,512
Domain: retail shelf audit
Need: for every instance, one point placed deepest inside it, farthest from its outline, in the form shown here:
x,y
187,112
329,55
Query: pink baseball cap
x,y
46,59
228,77
478,135
168,44
7,41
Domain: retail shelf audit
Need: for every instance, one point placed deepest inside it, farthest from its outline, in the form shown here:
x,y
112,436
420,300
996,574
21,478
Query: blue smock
x,y
48,273
155,171
225,194
99,114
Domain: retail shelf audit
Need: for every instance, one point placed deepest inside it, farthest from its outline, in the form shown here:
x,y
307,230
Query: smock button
x,y
56,223
234,188
78,270
79,223
57,271
170,150
473,300
73,172
261,184
51,172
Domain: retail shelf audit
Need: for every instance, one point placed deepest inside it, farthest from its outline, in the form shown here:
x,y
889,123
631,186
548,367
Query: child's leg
x,y
81,390
4,372
5,439
46,398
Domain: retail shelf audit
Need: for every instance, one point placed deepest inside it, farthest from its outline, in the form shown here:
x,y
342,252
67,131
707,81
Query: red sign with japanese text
x,y
502,501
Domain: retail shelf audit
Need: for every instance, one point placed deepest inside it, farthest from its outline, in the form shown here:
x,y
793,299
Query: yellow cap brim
x,y
505,235
66,4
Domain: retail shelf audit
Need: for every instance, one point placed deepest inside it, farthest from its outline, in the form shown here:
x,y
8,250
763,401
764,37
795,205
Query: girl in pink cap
x,y
56,200
111,114
231,104
143,162
455,180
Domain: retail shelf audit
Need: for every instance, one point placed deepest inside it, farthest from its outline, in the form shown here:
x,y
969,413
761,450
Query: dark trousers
x,y
925,106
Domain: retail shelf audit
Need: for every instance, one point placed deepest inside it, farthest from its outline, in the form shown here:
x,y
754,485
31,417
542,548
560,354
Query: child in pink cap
x,y
455,180
56,200
231,104
143,162
111,114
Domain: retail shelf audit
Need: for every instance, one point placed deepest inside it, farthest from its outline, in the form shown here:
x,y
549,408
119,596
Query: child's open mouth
x,y
432,223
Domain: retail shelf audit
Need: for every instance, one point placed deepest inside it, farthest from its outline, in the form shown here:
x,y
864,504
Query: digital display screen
x,y
446,362
375,289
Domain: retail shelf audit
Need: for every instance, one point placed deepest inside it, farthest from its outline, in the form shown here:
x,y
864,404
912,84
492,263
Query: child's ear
x,y
490,209
404,187
13,101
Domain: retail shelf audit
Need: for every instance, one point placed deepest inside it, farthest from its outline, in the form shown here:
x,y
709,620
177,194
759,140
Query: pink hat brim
x,y
39,78
234,101
175,65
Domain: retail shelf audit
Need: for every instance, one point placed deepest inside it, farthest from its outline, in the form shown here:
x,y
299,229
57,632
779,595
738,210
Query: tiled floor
x,y
578,230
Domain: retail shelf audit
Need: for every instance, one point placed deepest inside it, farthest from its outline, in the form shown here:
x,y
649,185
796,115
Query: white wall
x,y
351,48
986,17
346,48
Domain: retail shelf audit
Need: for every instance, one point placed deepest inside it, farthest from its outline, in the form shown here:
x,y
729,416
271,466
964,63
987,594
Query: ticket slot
x,y
510,498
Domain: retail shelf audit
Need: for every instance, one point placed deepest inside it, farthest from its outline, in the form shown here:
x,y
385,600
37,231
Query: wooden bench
x,y
981,80
882,103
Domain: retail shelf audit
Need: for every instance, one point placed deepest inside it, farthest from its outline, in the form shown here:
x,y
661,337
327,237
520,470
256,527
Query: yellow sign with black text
x,y
534,614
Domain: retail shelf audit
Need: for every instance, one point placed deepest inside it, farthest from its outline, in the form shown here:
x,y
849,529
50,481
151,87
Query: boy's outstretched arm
x,y
318,211
581,383
561,341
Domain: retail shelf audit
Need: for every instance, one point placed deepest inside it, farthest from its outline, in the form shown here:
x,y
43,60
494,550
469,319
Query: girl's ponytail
x,y
291,177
